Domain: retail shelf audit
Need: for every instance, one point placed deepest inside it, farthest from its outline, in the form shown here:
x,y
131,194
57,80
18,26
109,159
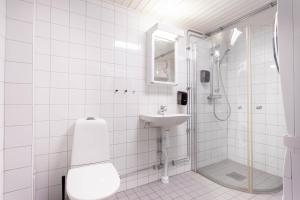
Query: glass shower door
x,y
267,113
238,174
240,120
222,112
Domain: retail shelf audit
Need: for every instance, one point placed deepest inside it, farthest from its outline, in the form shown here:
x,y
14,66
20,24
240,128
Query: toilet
x,y
92,176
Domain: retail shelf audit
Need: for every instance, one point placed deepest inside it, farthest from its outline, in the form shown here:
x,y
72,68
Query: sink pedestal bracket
x,y
165,145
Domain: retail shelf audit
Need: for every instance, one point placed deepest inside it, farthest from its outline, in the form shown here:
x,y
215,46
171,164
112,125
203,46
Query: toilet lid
x,y
92,182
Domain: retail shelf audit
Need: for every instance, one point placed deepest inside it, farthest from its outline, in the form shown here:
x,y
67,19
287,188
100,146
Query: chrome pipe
x,y
192,107
155,167
248,15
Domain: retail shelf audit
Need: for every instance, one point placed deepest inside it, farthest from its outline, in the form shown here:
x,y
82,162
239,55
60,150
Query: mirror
x,y
162,54
164,60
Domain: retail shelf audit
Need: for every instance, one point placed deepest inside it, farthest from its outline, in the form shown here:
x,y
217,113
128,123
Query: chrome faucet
x,y
163,109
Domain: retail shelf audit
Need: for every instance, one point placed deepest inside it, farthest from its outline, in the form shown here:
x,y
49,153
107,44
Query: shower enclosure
x,y
237,116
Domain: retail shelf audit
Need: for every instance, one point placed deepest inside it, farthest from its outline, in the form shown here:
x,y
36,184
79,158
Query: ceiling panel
x,y
200,15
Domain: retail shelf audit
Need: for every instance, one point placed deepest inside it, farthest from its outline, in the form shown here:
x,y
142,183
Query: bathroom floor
x,y
189,185
233,174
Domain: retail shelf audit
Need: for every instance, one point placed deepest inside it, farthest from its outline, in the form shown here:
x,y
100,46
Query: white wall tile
x,y
107,15
59,64
77,51
13,32
92,82
93,10
77,97
41,112
77,36
42,29
41,163
41,180
41,146
121,16
58,96
20,194
58,144
59,16
93,25
17,179
93,53
58,128
19,52
17,157
43,12
58,160
107,29
61,4
59,32
42,194
78,6
42,46
58,112
77,21
18,72
20,94
17,136
42,129
93,68
77,81
77,66
59,80
20,10
59,48
18,115
93,39
77,111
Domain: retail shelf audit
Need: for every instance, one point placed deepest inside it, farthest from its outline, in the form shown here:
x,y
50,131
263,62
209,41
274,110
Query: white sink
x,y
166,120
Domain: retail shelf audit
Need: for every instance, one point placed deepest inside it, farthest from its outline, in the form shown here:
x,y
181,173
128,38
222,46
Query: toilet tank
x,y
90,142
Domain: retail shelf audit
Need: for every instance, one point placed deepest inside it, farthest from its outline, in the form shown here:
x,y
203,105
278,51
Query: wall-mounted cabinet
x,y
162,54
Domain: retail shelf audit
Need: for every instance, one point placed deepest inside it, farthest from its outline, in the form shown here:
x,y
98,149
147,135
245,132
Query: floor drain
x,y
236,176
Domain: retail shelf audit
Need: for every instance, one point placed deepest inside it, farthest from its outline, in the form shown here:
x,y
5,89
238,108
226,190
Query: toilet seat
x,y
92,182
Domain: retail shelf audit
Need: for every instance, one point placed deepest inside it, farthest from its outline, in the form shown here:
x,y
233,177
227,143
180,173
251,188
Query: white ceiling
x,y
200,15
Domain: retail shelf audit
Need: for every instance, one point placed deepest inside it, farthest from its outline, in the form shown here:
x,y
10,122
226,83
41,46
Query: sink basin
x,y
164,121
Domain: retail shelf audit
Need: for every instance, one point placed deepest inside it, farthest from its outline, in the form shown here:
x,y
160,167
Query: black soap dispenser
x,y
182,98
204,76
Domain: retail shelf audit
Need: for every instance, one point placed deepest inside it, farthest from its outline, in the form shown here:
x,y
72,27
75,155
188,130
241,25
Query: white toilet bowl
x,y
92,182
92,176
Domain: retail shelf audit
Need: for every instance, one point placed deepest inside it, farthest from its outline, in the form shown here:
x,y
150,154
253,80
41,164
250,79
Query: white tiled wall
x,y
2,58
18,100
84,51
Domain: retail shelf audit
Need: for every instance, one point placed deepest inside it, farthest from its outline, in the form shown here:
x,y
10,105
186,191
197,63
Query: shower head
x,y
235,35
